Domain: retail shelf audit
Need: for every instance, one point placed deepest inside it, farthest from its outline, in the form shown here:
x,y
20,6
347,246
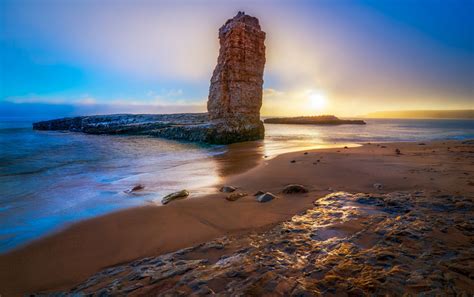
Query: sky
x,y
343,57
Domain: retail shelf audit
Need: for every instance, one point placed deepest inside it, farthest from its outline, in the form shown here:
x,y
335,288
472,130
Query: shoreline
x,y
67,257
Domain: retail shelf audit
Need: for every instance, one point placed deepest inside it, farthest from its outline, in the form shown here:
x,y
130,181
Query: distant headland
x,y
424,114
314,120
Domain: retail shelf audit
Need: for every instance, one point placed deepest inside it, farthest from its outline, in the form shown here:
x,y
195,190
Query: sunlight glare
x,y
317,100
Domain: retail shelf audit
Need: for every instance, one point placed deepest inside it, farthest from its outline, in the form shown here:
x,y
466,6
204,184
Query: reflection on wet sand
x,y
239,157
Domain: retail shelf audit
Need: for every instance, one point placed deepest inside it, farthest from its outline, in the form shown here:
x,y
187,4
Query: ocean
x,y
49,180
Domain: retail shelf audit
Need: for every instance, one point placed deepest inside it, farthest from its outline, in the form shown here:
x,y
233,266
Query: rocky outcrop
x,y
124,123
235,94
235,98
396,244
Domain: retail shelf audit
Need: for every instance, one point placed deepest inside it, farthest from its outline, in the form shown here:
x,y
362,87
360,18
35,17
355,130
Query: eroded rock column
x,y
235,94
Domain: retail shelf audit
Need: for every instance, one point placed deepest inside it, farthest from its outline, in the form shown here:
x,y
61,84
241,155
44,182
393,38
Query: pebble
x,y
378,186
227,189
266,197
135,189
235,196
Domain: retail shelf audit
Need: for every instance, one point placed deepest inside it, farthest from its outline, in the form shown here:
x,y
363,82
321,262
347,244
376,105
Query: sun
x,y
317,100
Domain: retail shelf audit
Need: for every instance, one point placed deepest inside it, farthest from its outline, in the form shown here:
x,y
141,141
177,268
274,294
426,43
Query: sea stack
x,y
235,98
235,94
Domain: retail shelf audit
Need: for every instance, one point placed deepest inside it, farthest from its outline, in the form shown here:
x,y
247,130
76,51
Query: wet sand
x,y
68,257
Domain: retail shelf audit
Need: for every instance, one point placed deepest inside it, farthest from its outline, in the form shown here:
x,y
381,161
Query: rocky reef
x,y
400,243
314,120
235,98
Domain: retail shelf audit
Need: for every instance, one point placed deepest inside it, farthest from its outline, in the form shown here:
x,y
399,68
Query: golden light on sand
x,y
317,100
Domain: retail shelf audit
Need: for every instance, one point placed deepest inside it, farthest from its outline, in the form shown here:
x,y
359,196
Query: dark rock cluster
x,y
401,243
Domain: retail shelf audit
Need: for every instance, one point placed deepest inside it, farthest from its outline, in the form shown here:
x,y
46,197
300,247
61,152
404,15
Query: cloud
x,y
156,102
87,100
147,40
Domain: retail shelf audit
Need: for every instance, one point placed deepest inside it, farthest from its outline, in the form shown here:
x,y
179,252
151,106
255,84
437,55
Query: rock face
x,y
235,98
235,94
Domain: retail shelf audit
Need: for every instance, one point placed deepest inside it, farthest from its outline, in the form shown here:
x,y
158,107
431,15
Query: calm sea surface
x,y
51,179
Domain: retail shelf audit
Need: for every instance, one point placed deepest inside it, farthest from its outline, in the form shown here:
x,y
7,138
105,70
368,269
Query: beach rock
x,y
258,193
235,93
227,189
378,186
235,196
266,197
135,189
294,189
174,196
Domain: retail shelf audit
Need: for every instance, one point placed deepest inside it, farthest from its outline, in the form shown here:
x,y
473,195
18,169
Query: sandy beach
x,y
67,258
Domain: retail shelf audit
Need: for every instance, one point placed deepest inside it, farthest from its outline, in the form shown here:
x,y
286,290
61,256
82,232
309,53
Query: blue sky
x,y
158,56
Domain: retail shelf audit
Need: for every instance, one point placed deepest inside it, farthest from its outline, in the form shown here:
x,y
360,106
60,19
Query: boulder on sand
x,y
227,189
378,186
266,197
174,196
235,196
135,189
295,189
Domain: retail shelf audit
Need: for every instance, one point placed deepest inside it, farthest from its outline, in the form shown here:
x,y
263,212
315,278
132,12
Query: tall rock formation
x,y
235,98
235,94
